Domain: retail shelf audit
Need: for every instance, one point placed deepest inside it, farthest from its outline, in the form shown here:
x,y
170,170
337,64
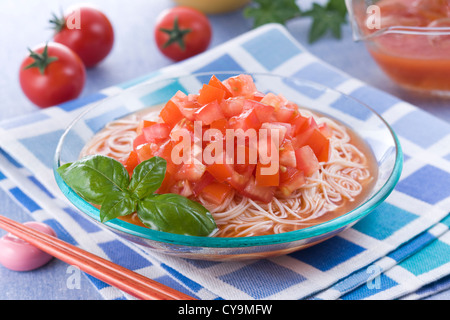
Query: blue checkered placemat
x,y
401,249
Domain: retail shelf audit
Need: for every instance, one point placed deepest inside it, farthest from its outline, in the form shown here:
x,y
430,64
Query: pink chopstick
x,y
117,276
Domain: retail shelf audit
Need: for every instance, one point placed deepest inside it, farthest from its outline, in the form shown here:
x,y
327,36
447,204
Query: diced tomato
x,y
146,151
233,104
131,162
268,180
232,107
209,112
283,129
326,131
258,96
144,124
317,141
264,112
165,151
285,114
300,124
291,180
324,154
216,192
209,93
170,114
157,132
218,84
241,85
191,171
246,120
167,184
222,172
221,124
187,104
307,160
245,158
139,141
287,155
258,193
272,100
205,180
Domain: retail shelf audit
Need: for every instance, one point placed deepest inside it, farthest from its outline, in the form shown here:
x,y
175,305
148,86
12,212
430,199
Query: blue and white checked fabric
x,y
400,250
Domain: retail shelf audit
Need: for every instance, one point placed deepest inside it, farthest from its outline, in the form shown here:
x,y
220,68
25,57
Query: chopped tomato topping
x,y
260,193
291,180
145,152
156,132
220,124
209,113
222,172
139,141
252,168
270,179
170,114
233,106
307,160
241,85
214,82
287,155
209,93
246,120
216,192
131,162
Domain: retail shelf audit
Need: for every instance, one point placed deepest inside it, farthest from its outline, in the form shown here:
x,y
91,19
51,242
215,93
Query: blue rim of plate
x,y
221,242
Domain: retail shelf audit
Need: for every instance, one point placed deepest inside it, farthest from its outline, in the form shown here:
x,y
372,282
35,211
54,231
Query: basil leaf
x,y
148,176
175,214
326,18
117,204
95,177
269,11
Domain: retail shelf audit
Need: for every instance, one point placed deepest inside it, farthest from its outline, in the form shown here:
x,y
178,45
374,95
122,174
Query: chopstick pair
x,y
124,279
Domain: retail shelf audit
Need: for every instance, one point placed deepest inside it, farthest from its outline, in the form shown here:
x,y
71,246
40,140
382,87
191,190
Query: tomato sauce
x,y
416,61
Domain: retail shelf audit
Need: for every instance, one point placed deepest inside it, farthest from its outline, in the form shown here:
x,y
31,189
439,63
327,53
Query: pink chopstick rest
x,y
18,255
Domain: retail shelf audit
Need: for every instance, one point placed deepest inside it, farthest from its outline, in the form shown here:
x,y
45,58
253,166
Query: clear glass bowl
x,y
359,117
409,40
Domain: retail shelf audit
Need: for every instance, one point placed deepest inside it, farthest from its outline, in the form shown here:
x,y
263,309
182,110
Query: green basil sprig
x,y
104,181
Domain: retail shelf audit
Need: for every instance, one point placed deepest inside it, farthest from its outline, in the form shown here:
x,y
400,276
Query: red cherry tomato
x,y
182,32
87,31
52,74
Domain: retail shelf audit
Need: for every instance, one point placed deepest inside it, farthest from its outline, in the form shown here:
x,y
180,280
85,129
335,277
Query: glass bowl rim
x,y
228,242
410,30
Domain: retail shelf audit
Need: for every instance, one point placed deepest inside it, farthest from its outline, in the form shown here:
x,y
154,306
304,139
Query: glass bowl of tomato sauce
x,y
408,39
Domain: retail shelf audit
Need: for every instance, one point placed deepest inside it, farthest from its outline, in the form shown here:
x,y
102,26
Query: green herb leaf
x,y
104,181
269,11
117,204
148,176
95,177
327,18
176,214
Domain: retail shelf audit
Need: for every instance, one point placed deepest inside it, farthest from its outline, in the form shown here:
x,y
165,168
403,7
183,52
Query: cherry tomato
x,y
182,32
87,31
52,74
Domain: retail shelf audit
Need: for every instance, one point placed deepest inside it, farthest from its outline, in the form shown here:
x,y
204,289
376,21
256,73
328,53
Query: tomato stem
x,y
41,60
176,35
58,23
